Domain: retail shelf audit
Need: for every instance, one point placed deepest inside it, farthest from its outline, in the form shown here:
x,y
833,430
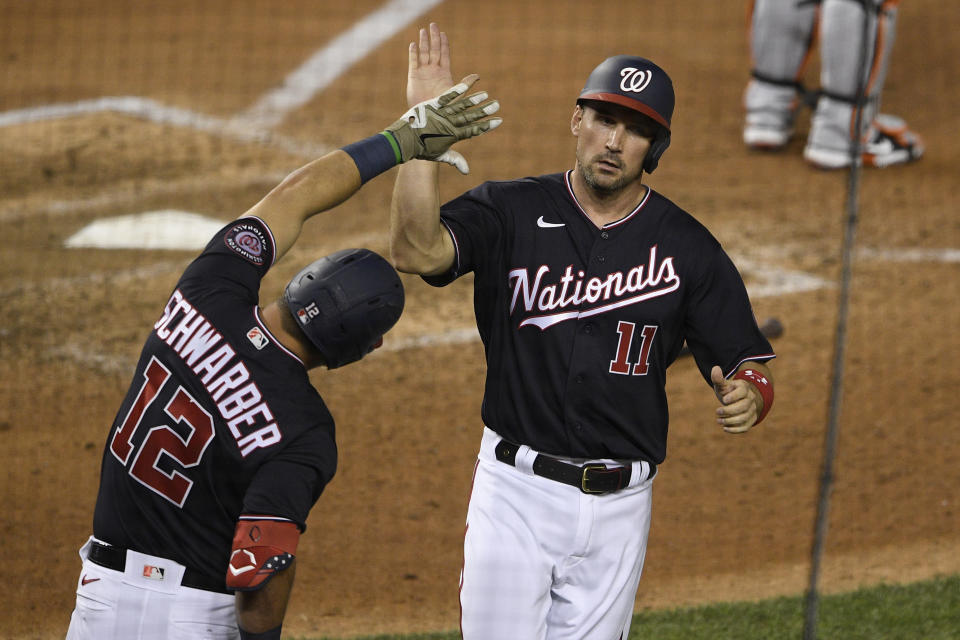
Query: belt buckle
x,y
583,478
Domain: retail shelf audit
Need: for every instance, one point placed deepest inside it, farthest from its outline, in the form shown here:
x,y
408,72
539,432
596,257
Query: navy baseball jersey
x,y
580,323
220,419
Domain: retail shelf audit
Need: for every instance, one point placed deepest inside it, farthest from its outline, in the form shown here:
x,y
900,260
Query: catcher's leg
x,y
781,37
885,139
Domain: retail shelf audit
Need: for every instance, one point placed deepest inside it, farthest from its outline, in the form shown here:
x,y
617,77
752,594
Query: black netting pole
x,y
840,343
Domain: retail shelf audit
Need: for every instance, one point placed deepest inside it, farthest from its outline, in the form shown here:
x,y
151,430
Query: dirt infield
x,y
733,516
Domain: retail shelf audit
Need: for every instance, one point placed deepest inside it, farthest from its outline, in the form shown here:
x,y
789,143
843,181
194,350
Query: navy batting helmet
x,y
638,84
345,302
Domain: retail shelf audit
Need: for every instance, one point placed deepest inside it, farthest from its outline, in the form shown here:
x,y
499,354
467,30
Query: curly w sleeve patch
x,y
249,240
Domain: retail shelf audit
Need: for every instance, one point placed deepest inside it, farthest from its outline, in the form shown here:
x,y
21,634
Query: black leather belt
x,y
595,479
115,558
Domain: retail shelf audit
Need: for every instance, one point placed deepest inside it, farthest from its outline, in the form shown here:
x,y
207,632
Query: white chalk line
x,y
253,125
329,63
915,254
774,280
453,336
131,195
778,281
153,111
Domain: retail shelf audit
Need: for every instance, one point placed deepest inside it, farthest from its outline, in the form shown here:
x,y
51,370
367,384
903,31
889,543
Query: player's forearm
x,y
418,241
763,381
264,609
315,187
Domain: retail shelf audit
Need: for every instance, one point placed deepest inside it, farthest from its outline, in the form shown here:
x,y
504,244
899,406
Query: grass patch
x,y
922,611
928,610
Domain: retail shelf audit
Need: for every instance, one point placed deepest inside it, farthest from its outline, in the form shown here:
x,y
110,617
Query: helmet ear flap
x,y
657,147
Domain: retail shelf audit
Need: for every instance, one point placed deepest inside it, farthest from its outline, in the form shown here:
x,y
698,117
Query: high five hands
x,y
440,113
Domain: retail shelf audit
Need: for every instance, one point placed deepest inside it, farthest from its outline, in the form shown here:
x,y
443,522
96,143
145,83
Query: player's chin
x,y
607,179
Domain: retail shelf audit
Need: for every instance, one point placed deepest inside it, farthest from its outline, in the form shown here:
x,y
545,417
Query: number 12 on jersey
x,y
161,439
621,365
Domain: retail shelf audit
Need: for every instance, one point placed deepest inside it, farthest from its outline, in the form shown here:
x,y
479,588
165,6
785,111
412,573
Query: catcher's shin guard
x,y
888,142
781,39
885,139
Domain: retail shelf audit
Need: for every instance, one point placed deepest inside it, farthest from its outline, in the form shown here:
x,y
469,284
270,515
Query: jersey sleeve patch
x,y
249,241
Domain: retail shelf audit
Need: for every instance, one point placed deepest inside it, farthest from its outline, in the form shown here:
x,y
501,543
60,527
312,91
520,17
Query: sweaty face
x,y
612,142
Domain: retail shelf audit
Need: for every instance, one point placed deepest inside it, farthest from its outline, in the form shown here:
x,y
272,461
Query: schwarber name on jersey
x,y
580,323
220,418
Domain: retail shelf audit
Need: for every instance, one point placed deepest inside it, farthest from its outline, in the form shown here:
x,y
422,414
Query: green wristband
x,y
394,144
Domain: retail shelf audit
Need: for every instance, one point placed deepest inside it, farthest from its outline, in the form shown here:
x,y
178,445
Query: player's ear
x,y
576,120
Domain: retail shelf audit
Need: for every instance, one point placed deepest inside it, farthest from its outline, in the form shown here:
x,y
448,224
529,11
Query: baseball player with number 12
x,y
586,284
221,445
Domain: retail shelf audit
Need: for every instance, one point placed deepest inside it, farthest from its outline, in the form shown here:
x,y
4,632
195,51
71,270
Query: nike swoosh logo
x,y
85,580
425,136
543,224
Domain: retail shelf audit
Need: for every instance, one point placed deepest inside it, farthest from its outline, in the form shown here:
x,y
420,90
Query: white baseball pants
x,y
127,605
545,561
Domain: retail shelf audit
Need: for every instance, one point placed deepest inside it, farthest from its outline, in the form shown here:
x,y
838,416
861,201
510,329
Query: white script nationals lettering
x,y
656,278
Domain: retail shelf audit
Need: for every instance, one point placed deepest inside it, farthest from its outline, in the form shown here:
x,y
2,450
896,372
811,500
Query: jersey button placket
x,y
584,345
604,235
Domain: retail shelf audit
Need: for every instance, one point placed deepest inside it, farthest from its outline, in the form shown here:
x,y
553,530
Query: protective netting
x,y
112,108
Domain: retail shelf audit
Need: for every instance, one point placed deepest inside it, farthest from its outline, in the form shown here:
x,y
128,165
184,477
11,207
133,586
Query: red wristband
x,y
762,383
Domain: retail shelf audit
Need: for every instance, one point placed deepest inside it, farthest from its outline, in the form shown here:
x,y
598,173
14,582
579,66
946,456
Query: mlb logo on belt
x,y
152,573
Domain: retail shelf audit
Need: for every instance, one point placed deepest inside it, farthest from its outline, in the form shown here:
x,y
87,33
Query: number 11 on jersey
x,y
621,365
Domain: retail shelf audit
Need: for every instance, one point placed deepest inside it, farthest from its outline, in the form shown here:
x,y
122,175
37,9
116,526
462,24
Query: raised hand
x,y
428,129
428,66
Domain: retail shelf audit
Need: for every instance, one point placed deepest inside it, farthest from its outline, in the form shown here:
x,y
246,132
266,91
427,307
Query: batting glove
x,y
428,129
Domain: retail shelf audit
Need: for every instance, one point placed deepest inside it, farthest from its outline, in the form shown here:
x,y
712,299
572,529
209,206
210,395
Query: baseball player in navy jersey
x,y
221,445
586,285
